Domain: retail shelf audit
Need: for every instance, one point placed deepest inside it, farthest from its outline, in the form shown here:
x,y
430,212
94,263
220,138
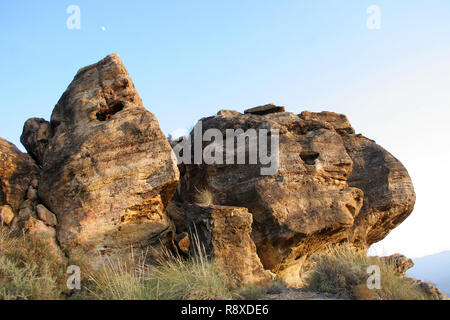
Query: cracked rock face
x,y
331,186
108,171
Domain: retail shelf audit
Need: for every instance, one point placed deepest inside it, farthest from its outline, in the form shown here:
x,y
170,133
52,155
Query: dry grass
x,y
172,278
252,292
342,270
204,196
29,269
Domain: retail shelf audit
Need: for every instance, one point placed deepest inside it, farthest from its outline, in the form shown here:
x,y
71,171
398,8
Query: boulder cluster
x,y
101,178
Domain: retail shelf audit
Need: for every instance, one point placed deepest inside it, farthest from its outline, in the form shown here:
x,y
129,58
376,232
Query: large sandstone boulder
x,y
331,186
108,171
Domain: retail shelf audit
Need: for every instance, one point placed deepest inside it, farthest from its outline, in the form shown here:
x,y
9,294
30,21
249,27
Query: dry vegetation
x,y
342,270
171,278
204,196
28,270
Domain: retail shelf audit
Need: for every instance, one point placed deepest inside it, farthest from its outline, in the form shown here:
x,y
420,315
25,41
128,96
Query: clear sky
x,y
188,59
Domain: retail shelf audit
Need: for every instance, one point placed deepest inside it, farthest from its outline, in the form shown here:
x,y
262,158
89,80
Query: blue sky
x,y
188,59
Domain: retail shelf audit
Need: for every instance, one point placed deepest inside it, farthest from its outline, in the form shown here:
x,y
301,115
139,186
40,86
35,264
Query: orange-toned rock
x,y
17,170
183,242
6,214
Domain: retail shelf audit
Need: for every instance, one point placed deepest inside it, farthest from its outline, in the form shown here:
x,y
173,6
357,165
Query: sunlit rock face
x,y
108,171
17,171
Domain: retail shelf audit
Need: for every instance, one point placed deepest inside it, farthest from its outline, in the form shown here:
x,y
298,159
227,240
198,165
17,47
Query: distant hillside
x,y
433,268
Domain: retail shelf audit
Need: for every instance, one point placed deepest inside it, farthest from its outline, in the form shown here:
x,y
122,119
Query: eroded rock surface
x,y
331,186
17,170
108,171
388,191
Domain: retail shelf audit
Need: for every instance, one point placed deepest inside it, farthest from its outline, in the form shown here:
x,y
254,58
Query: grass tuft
x,y
204,196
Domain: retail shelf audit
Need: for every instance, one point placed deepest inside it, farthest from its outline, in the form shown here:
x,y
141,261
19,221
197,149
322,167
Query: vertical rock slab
x,y
225,233
108,171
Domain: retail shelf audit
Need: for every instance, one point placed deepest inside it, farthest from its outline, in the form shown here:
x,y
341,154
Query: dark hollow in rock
x,y
107,113
309,157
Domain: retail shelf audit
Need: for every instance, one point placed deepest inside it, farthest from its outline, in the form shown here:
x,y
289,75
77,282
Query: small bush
x,y
205,197
277,286
343,270
252,292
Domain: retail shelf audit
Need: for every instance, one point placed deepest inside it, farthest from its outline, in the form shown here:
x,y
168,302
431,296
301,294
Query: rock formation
x,y
100,177
108,171
400,263
331,186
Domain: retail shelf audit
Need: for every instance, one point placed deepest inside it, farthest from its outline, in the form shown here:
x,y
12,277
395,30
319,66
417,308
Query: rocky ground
x,y
300,294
